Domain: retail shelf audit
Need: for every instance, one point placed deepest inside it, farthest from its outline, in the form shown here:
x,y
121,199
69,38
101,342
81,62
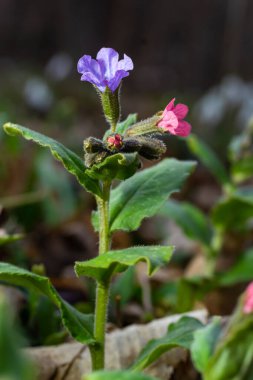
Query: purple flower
x,y
106,70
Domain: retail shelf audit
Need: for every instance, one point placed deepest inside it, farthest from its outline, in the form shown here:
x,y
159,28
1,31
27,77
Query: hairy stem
x,y
102,293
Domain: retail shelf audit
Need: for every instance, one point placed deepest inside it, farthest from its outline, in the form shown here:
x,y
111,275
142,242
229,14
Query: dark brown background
x,y
183,44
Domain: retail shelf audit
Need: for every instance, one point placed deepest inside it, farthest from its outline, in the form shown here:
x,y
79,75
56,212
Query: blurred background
x,y
199,51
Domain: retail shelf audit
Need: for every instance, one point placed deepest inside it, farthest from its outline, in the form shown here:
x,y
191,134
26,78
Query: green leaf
x,y
233,212
242,169
102,267
13,364
123,125
79,325
208,157
180,334
192,289
240,154
117,375
72,163
193,222
233,357
124,286
142,195
119,166
56,183
5,238
204,343
240,272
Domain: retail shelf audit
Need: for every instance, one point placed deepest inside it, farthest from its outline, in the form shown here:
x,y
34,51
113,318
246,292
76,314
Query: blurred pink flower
x,y
248,300
172,119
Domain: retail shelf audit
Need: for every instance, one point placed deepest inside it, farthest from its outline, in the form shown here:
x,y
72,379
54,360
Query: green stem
x,y
102,294
113,127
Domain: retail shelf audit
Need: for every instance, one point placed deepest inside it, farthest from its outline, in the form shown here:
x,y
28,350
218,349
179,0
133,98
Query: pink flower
x,y
248,300
172,119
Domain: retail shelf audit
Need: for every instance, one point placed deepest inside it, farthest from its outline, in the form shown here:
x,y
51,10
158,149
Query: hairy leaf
x,y
104,266
72,163
79,325
119,166
180,334
142,195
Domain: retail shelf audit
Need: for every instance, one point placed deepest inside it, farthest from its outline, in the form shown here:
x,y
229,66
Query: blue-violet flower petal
x,y
106,70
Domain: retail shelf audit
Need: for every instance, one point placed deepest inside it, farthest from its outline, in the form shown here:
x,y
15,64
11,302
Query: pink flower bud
x,y
172,119
248,300
115,141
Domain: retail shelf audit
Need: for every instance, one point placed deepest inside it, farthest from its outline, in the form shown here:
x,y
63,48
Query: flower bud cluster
x,y
96,150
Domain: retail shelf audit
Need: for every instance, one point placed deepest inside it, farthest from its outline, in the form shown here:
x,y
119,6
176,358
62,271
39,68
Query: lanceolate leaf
x,y
204,343
117,375
207,156
180,334
142,195
73,163
79,325
192,221
104,266
232,359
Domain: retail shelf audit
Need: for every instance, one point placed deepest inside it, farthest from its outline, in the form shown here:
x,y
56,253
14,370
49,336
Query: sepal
x,y
111,106
147,126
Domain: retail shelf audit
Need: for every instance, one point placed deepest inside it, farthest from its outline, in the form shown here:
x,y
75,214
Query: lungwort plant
x,y
140,194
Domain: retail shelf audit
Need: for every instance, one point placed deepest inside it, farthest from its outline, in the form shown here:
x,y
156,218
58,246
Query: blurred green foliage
x,y
13,364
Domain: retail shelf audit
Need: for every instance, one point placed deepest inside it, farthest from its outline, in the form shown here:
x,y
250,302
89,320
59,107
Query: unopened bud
x,y
151,148
131,144
147,126
94,158
93,145
114,142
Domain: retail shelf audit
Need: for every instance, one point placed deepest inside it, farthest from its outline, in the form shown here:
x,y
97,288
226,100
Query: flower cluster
x,y
106,73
